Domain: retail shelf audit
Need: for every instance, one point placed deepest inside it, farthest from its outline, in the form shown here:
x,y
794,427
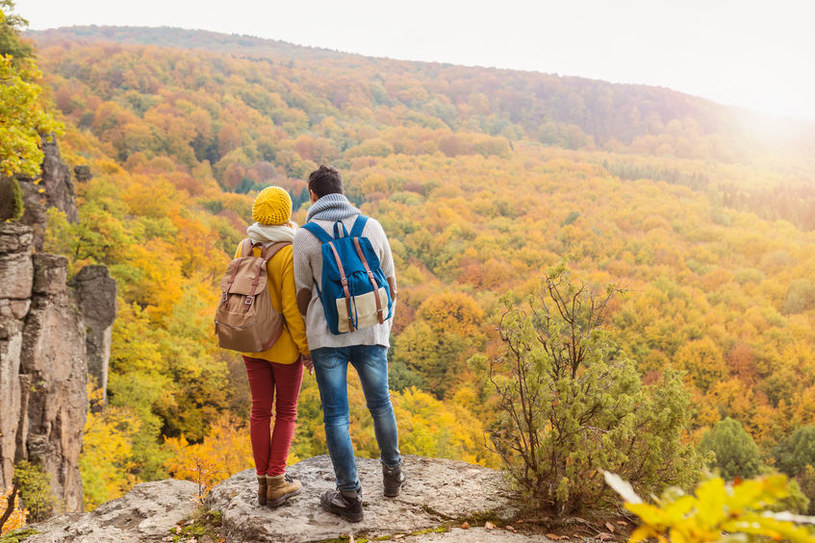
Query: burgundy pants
x,y
271,448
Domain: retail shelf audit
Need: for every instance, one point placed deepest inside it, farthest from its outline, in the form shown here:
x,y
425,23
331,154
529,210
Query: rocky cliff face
x,y
50,334
54,188
96,296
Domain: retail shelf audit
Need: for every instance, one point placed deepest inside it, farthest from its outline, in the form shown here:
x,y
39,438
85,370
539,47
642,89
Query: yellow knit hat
x,y
272,206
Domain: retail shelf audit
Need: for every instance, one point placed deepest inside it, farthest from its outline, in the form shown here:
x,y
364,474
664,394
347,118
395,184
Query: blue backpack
x,y
355,293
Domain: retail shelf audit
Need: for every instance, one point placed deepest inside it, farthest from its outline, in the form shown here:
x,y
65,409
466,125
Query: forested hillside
x,y
482,178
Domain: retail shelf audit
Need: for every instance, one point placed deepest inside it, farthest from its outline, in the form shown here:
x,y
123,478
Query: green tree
x,y
795,453
806,482
22,115
570,405
10,26
736,453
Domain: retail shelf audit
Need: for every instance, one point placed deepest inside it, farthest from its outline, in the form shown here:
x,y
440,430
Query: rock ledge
x,y
438,497
437,493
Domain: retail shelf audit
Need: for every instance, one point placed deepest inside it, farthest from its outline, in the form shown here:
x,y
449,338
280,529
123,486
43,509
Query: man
x,y
366,349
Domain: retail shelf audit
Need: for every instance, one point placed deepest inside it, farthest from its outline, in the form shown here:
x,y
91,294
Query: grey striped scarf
x,y
331,207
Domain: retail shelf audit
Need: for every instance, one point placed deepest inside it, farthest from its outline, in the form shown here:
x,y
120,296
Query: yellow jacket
x,y
292,341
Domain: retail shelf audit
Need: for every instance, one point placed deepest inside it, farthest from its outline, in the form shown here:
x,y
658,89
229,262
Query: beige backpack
x,y
245,320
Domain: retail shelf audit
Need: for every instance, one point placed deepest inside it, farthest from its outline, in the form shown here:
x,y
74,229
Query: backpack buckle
x,y
249,300
225,297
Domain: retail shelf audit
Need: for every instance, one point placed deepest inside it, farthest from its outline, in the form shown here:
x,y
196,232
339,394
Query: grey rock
x,y
474,535
96,296
16,276
16,238
83,173
9,327
10,412
59,186
50,273
57,191
54,359
146,513
437,492
43,348
14,309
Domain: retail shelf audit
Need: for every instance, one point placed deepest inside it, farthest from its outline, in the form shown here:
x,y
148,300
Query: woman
x,y
276,374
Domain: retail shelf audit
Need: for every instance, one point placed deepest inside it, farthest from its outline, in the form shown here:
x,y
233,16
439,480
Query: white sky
x,y
758,54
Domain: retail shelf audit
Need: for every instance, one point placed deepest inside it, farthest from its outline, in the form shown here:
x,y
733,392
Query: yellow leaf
x,y
677,510
712,496
648,513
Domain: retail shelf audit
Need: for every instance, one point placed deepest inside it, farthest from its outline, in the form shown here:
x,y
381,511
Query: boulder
x,y
438,493
50,273
83,173
147,513
16,238
439,497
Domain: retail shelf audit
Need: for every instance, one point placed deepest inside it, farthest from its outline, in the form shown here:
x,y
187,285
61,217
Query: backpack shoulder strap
x,y
268,252
359,226
318,232
246,247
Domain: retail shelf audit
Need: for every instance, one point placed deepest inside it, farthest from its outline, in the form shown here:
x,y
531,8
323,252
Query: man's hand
x,y
308,363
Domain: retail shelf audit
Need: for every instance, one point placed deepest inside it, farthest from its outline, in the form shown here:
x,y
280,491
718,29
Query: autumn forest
x,y
698,217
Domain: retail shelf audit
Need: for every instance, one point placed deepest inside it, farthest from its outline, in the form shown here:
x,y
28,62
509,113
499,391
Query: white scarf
x,y
268,234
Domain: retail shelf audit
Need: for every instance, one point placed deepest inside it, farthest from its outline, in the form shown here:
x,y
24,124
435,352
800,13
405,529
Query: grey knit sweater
x,y
308,268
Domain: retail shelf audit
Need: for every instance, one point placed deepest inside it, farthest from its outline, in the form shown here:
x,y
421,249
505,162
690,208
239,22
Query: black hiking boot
x,y
392,480
348,505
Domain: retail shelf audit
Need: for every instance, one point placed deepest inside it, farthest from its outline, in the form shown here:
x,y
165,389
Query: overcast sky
x,y
750,53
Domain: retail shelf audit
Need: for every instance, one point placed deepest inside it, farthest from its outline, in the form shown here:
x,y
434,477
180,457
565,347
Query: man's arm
x,y
303,276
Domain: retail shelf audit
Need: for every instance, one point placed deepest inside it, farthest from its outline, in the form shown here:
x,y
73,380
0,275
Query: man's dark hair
x,y
325,180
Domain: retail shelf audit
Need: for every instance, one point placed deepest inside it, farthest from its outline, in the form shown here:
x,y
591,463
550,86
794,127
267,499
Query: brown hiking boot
x,y
262,489
392,480
348,505
280,488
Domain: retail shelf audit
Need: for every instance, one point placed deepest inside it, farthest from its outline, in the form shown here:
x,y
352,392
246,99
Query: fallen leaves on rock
x,y
489,525
465,525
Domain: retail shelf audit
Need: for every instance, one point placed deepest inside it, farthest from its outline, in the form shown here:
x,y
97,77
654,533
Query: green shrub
x,y
570,405
35,490
12,206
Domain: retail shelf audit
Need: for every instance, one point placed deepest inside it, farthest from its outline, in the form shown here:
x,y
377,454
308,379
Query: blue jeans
x,y
331,370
